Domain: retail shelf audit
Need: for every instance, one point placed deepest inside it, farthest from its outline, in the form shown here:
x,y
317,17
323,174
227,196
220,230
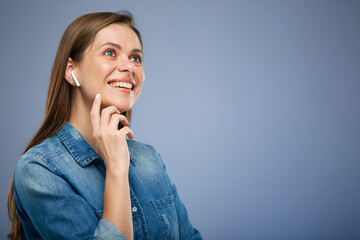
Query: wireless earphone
x,y
74,78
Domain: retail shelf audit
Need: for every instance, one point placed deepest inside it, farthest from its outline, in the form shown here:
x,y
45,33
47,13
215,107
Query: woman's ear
x,y
69,76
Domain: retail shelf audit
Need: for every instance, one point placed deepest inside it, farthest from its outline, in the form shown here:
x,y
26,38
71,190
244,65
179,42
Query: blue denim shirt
x,y
59,193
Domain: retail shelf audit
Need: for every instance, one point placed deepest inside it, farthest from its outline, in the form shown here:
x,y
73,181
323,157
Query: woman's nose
x,y
127,66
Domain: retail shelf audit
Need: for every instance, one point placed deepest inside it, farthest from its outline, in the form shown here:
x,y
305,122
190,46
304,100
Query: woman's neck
x,y
80,119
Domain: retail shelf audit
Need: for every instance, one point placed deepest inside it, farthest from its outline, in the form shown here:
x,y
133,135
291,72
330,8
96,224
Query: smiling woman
x,y
111,66
80,177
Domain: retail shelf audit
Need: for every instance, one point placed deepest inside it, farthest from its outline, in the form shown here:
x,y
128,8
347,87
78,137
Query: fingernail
x,y
97,96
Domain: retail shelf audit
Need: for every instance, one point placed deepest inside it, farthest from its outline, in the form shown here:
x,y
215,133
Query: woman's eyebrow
x,y
136,50
115,45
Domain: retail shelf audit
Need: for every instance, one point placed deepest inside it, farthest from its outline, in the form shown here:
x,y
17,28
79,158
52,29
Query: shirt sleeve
x,y
47,203
186,230
107,231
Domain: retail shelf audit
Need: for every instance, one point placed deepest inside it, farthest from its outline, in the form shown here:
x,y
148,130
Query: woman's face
x,y
112,66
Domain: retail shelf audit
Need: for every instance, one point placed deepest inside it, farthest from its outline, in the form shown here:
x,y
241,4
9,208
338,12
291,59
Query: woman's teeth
x,y
121,85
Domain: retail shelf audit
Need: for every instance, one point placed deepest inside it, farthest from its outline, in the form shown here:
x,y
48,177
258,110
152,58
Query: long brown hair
x,y
76,38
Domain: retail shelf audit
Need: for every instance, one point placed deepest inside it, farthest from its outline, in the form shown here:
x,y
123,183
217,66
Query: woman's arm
x,y
117,203
112,147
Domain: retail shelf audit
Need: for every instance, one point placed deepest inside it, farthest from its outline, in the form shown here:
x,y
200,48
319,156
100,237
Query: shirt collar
x,y
79,148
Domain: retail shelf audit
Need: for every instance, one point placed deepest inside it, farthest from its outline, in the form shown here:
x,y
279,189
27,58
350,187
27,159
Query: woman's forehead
x,y
120,34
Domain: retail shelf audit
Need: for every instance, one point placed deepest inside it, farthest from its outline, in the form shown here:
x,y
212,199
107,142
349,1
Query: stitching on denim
x,y
145,229
47,159
154,202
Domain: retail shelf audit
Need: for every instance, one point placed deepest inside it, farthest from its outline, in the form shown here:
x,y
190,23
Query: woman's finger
x,y
127,131
115,119
106,115
95,112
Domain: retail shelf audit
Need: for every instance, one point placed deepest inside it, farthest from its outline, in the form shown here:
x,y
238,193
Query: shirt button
x,y
134,209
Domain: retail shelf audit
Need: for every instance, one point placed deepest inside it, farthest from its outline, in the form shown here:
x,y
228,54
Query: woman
x,y
79,177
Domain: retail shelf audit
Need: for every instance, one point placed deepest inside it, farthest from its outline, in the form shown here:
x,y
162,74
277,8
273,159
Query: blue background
x,y
253,105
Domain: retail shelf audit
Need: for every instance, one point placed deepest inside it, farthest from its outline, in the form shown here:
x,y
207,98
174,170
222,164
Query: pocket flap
x,y
164,202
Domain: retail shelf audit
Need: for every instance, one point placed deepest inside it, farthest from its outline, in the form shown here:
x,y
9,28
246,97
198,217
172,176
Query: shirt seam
x,y
47,159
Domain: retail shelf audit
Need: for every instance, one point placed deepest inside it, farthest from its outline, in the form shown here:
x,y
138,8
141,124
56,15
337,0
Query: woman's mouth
x,y
121,85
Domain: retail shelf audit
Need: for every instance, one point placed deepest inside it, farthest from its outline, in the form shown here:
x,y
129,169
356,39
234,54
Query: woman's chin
x,y
123,109
121,106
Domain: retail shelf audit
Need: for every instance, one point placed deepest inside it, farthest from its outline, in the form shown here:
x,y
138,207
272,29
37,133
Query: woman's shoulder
x,y
41,153
140,150
135,145
35,166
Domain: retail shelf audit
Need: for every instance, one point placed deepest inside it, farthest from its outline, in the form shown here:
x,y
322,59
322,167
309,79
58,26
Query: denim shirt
x,y
59,193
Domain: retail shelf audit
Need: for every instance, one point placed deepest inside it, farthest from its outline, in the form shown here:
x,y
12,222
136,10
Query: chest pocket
x,y
166,211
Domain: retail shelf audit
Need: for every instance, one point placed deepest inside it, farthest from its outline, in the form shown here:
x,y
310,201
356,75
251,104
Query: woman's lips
x,y
126,83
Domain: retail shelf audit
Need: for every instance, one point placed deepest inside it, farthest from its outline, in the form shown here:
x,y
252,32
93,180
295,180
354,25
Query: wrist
x,y
117,172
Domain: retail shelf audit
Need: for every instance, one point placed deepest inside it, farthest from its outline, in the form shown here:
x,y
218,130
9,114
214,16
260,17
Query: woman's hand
x,y
111,142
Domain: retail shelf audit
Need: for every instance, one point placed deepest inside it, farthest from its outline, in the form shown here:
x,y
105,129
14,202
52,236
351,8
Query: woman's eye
x,y
135,59
110,53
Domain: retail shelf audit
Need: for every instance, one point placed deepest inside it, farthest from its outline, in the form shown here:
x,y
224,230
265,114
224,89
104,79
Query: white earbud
x,y
74,78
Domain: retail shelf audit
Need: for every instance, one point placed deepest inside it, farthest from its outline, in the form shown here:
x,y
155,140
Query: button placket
x,y
140,226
